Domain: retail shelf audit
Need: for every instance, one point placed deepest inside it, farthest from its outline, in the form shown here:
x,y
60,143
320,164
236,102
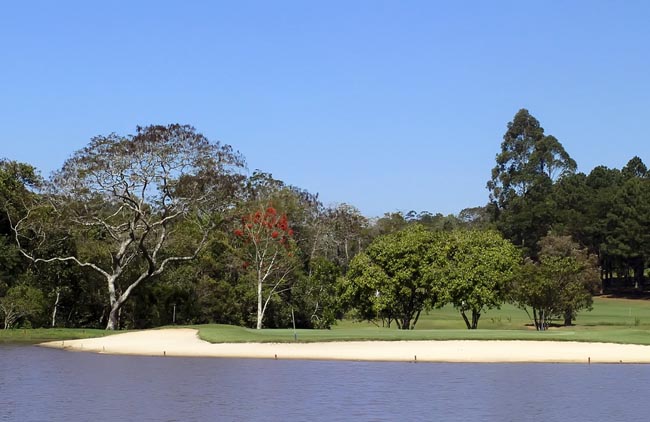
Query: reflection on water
x,y
38,384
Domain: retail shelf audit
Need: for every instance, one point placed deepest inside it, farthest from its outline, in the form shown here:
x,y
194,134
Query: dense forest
x,y
163,226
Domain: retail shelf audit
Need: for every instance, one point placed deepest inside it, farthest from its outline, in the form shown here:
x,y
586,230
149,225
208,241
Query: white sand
x,y
185,342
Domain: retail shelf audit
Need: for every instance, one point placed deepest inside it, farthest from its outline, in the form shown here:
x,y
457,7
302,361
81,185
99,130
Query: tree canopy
x,y
141,230
392,278
529,163
560,284
527,155
127,197
474,270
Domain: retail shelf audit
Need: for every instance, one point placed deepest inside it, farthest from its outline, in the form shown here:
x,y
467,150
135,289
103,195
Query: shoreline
x,y
184,342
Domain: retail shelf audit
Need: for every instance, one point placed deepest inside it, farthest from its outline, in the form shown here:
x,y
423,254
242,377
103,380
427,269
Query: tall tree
x,y
527,154
526,168
123,196
603,185
635,168
572,198
628,228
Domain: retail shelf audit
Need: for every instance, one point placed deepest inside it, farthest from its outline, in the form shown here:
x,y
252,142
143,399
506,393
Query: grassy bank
x,y
225,334
40,335
612,320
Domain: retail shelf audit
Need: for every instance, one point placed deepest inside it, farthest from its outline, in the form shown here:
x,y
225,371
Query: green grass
x,y
40,335
219,333
612,320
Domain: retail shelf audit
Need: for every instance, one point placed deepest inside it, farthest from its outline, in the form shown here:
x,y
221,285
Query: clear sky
x,y
385,105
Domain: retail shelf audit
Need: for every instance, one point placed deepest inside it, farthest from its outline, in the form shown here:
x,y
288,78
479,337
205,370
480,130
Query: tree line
x,y
163,226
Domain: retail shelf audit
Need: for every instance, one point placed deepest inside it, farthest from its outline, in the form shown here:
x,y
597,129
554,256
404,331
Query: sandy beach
x,y
185,342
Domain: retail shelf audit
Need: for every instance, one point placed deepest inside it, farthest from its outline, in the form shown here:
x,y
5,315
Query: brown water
x,y
38,384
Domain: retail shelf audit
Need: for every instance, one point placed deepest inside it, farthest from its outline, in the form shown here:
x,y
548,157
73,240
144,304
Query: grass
x,y
40,335
612,320
219,334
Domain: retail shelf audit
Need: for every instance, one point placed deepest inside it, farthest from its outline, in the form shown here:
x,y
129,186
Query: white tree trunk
x,y
113,318
56,306
260,314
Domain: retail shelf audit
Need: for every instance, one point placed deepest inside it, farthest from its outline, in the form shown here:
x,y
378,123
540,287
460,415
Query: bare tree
x,y
137,203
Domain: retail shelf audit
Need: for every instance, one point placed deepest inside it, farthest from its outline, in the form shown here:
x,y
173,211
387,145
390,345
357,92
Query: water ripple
x,y
39,384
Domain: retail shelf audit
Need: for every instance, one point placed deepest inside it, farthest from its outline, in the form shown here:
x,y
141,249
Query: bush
x,y
21,302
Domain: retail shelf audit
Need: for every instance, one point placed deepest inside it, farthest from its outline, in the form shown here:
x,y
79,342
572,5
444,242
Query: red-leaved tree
x,y
267,246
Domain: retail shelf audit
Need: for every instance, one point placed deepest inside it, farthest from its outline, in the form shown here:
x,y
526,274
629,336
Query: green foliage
x,y
528,218
136,205
225,302
17,183
611,321
390,222
10,261
521,184
627,236
607,211
474,269
21,303
113,192
476,218
635,168
527,156
573,207
391,280
559,285
216,289
435,222
315,295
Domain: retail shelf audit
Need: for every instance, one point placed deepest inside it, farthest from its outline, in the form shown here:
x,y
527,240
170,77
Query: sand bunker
x,y
185,342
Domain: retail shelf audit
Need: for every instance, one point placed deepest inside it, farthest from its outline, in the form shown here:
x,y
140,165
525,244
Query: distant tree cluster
x,y
163,226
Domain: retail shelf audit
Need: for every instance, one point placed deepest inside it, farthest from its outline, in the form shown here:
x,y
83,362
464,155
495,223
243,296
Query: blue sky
x,y
385,105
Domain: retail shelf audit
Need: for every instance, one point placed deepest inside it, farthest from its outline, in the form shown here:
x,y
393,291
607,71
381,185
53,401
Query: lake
x,y
38,384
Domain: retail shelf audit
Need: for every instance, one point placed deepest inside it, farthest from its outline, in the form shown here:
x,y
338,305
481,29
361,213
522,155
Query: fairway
x,y
612,320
